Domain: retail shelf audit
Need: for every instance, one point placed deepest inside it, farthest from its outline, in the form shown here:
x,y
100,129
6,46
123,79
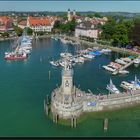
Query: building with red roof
x,y
22,24
5,24
44,24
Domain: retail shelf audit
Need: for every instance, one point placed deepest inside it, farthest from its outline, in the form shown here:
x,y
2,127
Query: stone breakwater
x,y
88,102
111,101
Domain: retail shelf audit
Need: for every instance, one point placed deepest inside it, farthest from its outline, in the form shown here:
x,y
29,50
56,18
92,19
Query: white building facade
x,y
86,30
40,24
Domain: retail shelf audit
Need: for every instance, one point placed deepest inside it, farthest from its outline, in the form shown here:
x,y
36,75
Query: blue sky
x,y
95,5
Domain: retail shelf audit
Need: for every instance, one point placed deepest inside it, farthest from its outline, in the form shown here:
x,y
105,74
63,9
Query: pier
x,y
125,66
105,124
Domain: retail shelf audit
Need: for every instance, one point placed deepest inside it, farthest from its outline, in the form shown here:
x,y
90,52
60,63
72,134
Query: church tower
x,y
74,13
69,15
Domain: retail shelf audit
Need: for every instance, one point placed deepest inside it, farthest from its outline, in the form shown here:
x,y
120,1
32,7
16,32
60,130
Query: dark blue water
x,y
25,84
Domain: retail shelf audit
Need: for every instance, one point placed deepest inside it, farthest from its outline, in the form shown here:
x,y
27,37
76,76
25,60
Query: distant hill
x,y
124,14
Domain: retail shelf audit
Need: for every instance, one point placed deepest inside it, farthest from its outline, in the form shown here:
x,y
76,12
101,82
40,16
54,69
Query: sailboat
x,y
136,83
112,88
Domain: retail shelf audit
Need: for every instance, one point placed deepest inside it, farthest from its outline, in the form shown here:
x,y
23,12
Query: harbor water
x,y
25,84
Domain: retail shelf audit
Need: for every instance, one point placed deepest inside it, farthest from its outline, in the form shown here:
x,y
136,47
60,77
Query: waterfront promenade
x,y
86,43
93,44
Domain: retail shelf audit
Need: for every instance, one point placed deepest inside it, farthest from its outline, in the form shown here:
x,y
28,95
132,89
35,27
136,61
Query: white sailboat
x,y
112,88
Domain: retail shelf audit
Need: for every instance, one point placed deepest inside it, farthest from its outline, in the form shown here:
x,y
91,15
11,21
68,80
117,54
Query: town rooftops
x,y
4,19
23,22
85,25
44,21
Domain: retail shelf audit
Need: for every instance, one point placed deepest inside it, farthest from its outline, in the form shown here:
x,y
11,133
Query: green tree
x,y
66,27
108,29
90,15
97,15
134,34
18,30
120,36
5,34
29,31
57,24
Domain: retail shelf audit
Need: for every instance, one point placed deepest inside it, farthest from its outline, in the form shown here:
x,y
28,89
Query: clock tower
x,y
67,79
67,83
65,100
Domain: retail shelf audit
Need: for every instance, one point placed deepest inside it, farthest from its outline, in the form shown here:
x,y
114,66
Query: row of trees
x,y
19,31
121,32
68,27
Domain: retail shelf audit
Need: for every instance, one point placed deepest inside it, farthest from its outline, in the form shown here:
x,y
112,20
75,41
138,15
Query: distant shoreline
x,y
8,38
12,38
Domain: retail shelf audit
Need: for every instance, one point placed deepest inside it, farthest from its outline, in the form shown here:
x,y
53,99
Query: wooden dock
x,y
105,124
124,67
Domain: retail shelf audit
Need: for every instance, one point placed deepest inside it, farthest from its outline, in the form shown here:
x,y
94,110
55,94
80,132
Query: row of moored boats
x,y
127,85
118,64
22,50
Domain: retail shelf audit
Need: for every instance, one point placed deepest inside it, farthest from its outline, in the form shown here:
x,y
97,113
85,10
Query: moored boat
x,y
123,71
112,88
127,86
54,63
120,61
137,61
13,56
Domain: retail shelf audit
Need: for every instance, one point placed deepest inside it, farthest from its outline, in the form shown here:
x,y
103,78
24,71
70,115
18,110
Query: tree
x,y
120,36
97,15
64,16
57,24
29,31
5,34
117,32
108,29
90,15
65,27
18,30
134,34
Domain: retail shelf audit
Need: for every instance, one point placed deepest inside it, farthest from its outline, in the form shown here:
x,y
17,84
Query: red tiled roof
x,y
35,21
23,22
4,19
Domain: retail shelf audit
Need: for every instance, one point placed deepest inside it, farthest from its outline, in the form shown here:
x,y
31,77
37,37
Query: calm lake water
x,y
25,84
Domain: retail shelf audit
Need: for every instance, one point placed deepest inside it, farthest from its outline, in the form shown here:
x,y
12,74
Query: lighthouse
x,y
65,100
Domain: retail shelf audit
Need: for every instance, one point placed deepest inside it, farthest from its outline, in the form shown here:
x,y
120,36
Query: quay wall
x,y
93,44
111,103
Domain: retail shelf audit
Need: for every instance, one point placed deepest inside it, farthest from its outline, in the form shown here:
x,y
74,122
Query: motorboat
x,y
137,61
88,56
62,63
120,61
123,71
64,41
105,51
54,63
14,56
115,65
79,60
109,68
127,85
65,54
126,59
